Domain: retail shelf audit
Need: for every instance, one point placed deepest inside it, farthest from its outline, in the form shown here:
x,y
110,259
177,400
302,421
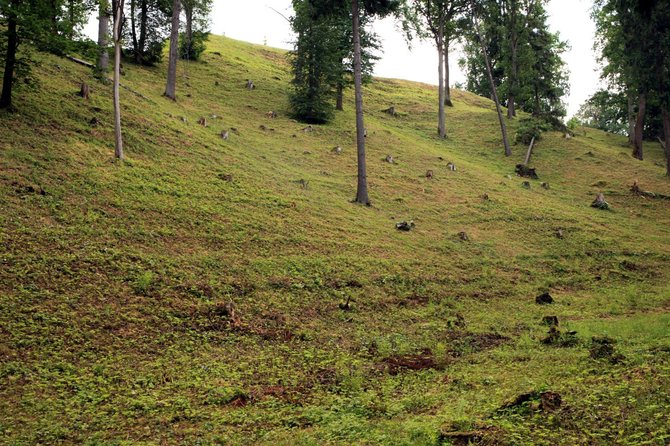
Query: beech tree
x,y
439,19
102,63
196,28
117,36
372,8
171,87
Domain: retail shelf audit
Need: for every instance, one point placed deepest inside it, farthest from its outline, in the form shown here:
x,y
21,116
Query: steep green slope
x,y
114,281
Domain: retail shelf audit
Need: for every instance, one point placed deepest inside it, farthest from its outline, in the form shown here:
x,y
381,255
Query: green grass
x,y
112,283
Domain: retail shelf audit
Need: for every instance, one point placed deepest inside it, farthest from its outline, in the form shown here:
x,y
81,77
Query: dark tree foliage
x,y
48,25
146,28
526,64
196,28
322,60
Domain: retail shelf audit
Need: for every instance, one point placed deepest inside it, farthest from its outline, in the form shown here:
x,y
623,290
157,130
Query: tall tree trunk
x,y
514,75
631,118
171,87
118,139
133,28
339,99
666,136
494,94
441,125
144,17
103,33
189,30
10,62
537,111
447,89
639,127
362,189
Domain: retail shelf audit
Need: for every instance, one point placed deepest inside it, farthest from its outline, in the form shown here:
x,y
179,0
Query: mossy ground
x,y
112,281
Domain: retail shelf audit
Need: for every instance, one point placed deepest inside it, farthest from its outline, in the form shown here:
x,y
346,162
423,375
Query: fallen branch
x,y
661,141
79,61
635,189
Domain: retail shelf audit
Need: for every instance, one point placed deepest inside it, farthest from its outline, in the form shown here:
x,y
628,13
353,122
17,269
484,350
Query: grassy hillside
x,y
114,277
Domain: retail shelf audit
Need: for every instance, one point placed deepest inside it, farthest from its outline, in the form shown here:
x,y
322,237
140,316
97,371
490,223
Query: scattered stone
x,y
463,236
250,84
308,129
602,347
84,91
600,203
337,150
202,121
226,177
214,116
365,133
271,114
551,321
405,226
526,184
224,134
545,186
509,177
526,172
544,299
429,174
550,401
451,166
389,159
183,119
391,111
543,401
559,338
568,136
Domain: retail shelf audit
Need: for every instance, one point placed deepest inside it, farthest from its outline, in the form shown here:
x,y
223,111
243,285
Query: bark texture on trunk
x,y
362,189
103,33
631,118
10,63
171,87
118,139
666,136
339,100
639,127
447,89
188,13
441,124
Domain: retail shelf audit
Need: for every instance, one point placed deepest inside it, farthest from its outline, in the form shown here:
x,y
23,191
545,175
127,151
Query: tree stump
x,y
451,167
224,135
202,121
429,174
250,84
389,159
600,203
84,91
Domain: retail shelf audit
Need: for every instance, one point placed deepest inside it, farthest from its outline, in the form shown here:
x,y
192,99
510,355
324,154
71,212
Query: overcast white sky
x,y
255,21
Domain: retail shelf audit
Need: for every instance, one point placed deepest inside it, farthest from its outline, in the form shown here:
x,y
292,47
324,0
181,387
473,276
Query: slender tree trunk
x,y
537,111
10,63
362,189
339,100
441,124
171,87
514,75
133,29
103,34
118,18
189,31
447,89
494,94
666,136
631,118
144,17
639,127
